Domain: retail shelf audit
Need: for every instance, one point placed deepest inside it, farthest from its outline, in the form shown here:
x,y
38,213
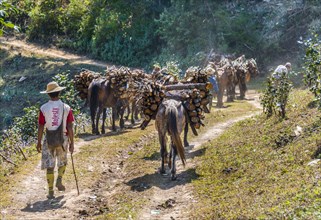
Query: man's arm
x,y
40,133
71,136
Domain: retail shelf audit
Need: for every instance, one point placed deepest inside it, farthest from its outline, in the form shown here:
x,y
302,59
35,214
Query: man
x,y
54,115
281,69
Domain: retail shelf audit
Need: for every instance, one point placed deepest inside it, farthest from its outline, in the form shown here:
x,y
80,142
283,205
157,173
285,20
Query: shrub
x,y
312,66
275,96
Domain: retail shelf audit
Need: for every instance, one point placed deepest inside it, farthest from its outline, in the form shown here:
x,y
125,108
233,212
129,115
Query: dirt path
x,y
12,44
29,197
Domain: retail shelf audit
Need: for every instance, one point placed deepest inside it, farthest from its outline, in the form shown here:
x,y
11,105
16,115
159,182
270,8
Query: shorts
x,y
49,157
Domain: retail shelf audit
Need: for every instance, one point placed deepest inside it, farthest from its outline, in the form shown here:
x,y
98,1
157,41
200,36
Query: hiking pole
x,y
73,168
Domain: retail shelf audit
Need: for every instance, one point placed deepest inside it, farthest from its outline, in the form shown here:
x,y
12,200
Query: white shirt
x,y
53,111
279,70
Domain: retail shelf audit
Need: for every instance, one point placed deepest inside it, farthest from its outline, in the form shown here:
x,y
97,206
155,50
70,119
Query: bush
x,y
275,96
45,21
312,66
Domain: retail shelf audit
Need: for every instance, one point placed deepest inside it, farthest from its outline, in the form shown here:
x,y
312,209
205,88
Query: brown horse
x,y
225,77
100,97
170,119
245,69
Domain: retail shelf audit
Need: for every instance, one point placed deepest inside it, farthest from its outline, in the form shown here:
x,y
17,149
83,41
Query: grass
x,y
250,175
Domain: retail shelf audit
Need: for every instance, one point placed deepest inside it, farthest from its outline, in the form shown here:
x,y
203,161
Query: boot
x,y
51,194
59,184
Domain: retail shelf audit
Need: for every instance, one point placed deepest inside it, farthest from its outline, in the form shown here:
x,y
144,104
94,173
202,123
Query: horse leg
x,y
173,158
121,120
219,103
113,116
128,113
136,112
104,119
243,89
163,152
132,114
186,144
97,119
93,114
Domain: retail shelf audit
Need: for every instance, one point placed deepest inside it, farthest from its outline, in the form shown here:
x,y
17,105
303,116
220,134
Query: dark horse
x,y
170,119
100,97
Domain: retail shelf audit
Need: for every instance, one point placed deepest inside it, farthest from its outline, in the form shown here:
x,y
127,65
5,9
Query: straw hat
x,y
53,87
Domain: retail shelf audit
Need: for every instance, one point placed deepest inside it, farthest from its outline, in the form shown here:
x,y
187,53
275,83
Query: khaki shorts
x,y
49,157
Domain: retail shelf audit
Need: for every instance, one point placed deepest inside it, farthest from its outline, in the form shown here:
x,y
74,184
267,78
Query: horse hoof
x,y
186,144
174,177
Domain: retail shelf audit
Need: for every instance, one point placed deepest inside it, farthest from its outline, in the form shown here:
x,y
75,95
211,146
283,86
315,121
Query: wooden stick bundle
x,y
152,97
197,76
82,81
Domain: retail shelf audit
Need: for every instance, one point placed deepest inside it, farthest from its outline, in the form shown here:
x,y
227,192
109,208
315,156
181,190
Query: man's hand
x,y
71,147
39,147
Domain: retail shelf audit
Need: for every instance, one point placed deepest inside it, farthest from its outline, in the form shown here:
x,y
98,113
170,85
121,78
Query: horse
x,y
100,97
245,69
171,119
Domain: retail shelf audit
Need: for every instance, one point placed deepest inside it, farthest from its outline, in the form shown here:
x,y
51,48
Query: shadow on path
x,y
43,206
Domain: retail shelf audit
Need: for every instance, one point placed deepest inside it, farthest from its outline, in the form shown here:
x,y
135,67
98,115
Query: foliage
x,y
312,66
6,9
46,20
274,98
27,124
139,33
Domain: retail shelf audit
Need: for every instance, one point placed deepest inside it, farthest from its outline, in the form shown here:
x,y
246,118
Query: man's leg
x,y
50,180
61,172
61,162
48,164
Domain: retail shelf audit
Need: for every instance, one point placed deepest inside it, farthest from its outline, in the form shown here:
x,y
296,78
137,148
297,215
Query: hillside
x,y
264,168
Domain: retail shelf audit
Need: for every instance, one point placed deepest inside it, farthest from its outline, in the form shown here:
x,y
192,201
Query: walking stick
x,y
73,168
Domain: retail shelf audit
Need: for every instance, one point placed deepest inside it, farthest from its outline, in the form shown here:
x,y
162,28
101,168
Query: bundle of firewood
x,y
192,102
152,97
190,94
82,81
118,77
197,75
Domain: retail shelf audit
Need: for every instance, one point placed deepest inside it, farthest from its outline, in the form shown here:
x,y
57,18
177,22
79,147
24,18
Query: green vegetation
x,y
7,9
275,96
259,168
312,74
144,32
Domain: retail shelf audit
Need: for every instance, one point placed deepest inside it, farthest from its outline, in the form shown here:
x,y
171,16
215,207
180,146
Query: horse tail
x,y
93,91
172,128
